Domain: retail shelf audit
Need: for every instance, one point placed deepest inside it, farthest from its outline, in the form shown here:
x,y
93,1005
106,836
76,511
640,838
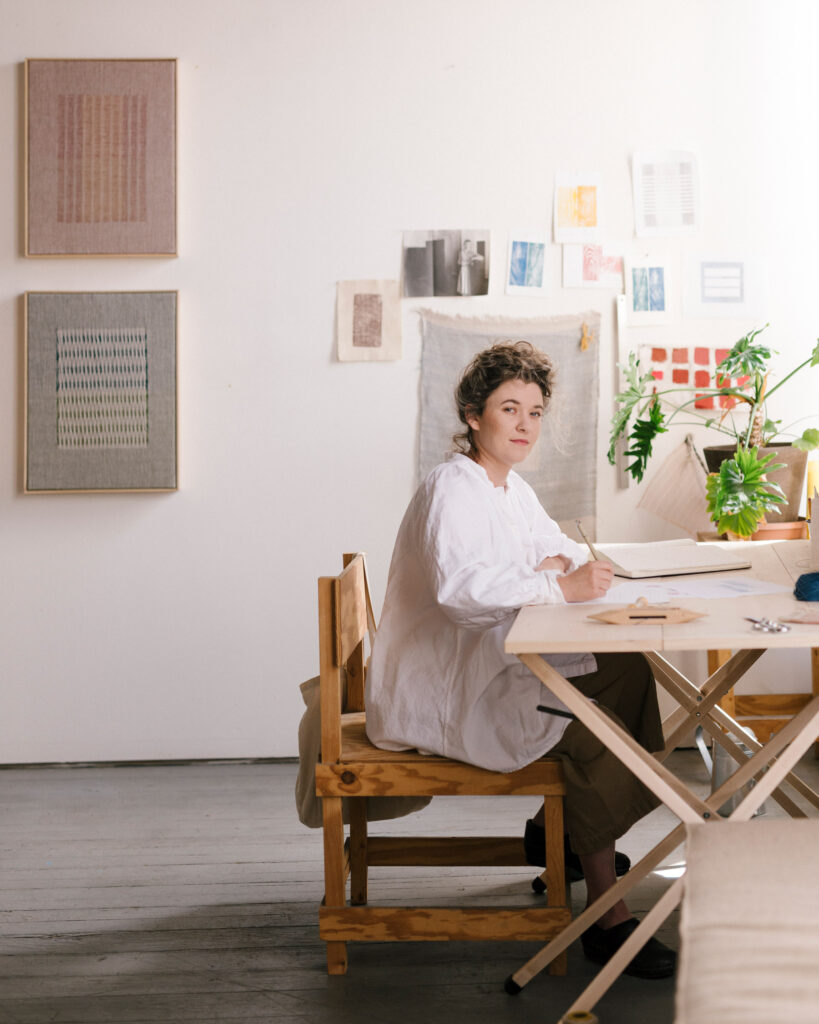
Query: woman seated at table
x,y
474,546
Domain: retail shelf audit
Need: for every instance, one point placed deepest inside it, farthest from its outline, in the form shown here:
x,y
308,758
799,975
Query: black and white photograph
x,y
446,263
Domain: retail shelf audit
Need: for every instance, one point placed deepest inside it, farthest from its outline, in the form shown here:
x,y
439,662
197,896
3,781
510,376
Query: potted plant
x,y
739,494
744,488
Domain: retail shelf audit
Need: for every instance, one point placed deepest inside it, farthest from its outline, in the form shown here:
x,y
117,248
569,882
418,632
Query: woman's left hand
x,y
554,563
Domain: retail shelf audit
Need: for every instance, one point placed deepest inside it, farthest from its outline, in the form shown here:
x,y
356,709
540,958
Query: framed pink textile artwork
x,y
100,147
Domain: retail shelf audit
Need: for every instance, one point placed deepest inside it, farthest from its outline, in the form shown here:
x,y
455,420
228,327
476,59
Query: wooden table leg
x,y
716,659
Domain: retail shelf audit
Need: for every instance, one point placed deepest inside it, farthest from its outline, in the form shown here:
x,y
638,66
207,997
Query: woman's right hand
x,y
591,580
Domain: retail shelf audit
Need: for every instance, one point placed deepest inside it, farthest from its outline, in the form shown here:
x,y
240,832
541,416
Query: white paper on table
x,y
630,591
728,586
592,266
666,192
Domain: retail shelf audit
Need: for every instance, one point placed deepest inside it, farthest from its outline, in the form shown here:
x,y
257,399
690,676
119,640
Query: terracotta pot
x,y
780,531
791,479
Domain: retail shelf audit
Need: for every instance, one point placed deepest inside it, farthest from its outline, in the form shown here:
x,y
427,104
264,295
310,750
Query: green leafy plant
x,y
739,496
644,411
642,438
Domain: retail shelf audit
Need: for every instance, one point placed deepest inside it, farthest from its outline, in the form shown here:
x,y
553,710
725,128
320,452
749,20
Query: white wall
x,y
311,133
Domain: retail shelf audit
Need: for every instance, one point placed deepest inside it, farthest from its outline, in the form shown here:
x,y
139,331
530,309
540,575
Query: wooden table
x,y
550,629
764,713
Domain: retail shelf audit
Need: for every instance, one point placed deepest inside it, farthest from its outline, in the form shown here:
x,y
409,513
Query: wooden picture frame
x,y
100,392
100,158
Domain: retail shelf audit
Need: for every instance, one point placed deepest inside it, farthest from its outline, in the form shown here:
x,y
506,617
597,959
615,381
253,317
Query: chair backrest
x,y
345,618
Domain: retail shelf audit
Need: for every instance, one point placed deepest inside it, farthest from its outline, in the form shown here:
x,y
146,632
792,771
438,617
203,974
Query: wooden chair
x,y
350,766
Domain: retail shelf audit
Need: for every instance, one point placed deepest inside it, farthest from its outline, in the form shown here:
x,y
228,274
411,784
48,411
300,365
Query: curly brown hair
x,y
507,360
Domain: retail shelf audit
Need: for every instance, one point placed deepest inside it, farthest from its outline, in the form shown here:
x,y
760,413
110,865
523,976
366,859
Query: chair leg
x,y
358,851
334,876
336,957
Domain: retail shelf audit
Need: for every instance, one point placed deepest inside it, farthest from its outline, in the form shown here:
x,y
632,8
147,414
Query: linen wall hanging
x,y
562,469
100,158
100,391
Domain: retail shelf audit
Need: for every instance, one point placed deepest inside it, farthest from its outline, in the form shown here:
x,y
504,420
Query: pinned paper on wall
x,y
720,286
691,367
446,262
526,272
666,192
577,208
648,291
368,321
592,266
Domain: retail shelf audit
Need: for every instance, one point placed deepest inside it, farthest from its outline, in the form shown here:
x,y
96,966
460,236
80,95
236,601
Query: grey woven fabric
x,y
563,468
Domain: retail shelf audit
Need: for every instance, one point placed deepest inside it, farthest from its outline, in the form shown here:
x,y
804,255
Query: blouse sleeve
x,y
547,536
474,581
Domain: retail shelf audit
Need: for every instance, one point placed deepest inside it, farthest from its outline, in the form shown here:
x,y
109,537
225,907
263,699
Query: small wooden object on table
x,y
643,613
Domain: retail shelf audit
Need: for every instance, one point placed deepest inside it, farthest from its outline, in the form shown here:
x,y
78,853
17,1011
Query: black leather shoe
x,y
534,845
655,960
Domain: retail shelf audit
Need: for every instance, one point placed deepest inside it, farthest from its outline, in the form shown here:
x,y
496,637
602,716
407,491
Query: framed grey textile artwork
x,y
563,467
100,391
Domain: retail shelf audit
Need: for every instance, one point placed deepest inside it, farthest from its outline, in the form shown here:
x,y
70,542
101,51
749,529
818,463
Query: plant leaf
x,y
638,388
746,357
642,438
808,441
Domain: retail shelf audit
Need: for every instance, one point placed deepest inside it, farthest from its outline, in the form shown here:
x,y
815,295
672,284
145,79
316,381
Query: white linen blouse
x,y
464,562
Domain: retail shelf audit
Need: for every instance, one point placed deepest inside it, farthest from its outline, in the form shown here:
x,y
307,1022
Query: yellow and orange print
x,y
577,206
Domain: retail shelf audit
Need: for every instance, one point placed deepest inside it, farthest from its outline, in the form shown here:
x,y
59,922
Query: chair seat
x,y
366,770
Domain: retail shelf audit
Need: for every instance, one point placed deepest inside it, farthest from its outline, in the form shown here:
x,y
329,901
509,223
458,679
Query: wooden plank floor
x,y
190,893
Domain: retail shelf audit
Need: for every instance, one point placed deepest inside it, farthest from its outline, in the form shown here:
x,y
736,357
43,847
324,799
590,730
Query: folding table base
x,y
769,765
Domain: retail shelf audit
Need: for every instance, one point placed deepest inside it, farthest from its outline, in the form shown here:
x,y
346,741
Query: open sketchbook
x,y
668,558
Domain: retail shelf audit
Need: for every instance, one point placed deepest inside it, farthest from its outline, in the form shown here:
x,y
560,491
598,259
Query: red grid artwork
x,y
691,366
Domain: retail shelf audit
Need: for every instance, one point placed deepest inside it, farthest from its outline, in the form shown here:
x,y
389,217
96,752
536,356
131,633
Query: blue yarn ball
x,y
807,587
